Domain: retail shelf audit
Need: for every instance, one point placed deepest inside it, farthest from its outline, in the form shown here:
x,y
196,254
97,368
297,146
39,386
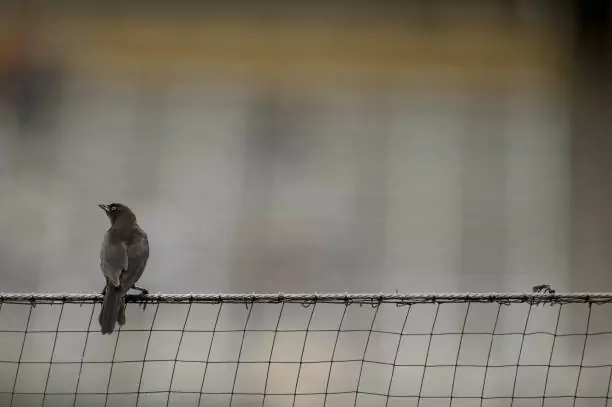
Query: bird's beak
x,y
104,208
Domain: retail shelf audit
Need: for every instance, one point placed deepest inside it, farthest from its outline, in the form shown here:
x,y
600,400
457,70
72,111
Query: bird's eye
x,y
113,208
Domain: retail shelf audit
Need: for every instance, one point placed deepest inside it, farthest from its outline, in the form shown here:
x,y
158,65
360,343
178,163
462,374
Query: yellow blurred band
x,y
302,51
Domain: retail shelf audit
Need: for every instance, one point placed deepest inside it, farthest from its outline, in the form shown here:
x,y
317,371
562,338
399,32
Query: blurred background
x,y
358,146
284,146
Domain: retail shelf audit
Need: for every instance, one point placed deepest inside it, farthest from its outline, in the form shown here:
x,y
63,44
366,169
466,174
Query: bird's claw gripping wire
x,y
143,293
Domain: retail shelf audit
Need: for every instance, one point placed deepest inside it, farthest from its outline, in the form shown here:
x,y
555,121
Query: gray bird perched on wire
x,y
123,258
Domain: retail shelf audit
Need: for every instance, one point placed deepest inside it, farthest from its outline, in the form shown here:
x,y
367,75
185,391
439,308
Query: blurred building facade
x,y
370,146
417,147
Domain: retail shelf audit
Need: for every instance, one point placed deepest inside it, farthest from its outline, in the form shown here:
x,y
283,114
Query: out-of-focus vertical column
x,y
423,231
146,145
590,245
536,189
263,142
591,149
371,195
483,213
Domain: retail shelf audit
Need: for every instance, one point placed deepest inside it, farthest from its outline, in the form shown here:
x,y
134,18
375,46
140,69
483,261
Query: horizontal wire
x,y
367,393
271,331
306,362
308,298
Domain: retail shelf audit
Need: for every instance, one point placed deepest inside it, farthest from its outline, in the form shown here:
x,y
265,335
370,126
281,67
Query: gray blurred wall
x,y
270,186
433,191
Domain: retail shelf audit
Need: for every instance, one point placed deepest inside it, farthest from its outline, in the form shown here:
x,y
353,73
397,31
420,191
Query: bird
x,y
123,259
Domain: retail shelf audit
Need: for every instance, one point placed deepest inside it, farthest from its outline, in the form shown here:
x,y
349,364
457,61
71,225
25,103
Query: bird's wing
x,y
113,258
138,254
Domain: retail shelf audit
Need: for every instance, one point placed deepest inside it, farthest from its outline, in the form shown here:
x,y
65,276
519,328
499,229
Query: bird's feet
x,y
143,292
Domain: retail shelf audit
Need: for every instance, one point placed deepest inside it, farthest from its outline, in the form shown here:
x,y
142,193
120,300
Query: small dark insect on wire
x,y
543,288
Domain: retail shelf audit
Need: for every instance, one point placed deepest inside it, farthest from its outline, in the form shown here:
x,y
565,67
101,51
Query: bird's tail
x,y
111,309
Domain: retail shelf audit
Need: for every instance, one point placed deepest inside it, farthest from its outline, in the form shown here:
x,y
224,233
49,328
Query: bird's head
x,y
117,211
